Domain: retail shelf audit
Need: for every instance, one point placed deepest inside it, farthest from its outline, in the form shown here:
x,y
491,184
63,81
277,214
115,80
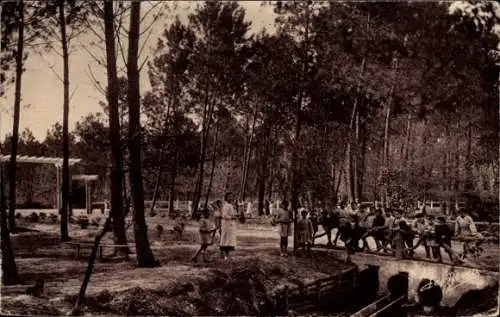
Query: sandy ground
x,y
257,247
41,255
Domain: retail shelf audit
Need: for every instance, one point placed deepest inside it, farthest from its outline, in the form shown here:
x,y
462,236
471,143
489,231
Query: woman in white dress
x,y
228,226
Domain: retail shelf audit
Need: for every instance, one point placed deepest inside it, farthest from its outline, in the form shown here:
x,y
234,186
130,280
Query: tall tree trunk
x,y
17,114
355,161
247,157
406,159
207,114
387,124
337,187
469,182
158,179
348,172
159,171
348,169
214,157
295,176
456,186
333,172
118,188
145,256
65,145
245,150
173,179
9,267
445,161
361,167
295,172
263,168
272,165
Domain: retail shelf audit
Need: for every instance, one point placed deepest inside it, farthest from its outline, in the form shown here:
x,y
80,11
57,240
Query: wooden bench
x,y
80,246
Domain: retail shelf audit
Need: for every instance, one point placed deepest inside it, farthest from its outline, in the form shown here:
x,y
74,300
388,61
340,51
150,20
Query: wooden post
x,y
70,193
87,198
58,185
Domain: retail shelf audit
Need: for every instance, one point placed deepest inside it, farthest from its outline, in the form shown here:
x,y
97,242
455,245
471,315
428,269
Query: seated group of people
x,y
391,231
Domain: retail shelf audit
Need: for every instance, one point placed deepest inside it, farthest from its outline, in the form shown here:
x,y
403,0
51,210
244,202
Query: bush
x,y
43,216
33,217
18,215
83,221
159,230
53,218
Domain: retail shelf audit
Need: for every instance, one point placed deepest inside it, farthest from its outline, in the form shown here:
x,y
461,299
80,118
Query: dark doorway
x,y
78,195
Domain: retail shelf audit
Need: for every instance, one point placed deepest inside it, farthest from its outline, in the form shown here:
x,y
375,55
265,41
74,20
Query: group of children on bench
x,y
393,230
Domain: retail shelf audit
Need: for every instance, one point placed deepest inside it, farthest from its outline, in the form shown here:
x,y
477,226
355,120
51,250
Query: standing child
x,y
431,236
402,237
206,237
389,224
466,230
443,236
305,233
377,230
284,220
422,229
217,206
314,217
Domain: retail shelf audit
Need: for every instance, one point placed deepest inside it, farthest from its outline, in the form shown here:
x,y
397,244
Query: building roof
x,y
39,159
85,177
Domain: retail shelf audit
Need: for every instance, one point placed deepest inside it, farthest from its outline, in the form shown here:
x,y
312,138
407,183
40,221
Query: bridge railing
x,y
310,295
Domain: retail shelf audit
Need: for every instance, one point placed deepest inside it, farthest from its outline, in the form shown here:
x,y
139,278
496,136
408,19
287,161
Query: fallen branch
x,y
81,295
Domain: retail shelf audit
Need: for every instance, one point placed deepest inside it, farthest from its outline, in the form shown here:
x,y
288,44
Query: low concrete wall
x,y
455,281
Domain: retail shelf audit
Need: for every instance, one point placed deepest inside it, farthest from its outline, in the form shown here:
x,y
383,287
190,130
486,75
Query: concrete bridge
x,y
454,280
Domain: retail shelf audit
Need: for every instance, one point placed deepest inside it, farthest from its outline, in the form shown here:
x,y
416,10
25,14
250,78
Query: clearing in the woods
x,y
178,287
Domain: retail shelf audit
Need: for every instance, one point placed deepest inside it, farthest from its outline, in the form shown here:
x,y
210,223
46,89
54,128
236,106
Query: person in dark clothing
x,y
423,230
267,209
443,234
348,235
314,217
377,230
329,221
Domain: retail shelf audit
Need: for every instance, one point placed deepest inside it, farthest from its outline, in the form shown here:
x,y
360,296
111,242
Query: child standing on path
x,y
305,233
283,220
206,235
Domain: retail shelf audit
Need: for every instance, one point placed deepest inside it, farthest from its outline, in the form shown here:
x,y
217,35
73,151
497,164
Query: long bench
x,y
87,246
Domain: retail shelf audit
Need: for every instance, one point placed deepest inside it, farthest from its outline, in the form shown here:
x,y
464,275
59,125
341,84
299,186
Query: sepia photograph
x,y
250,158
